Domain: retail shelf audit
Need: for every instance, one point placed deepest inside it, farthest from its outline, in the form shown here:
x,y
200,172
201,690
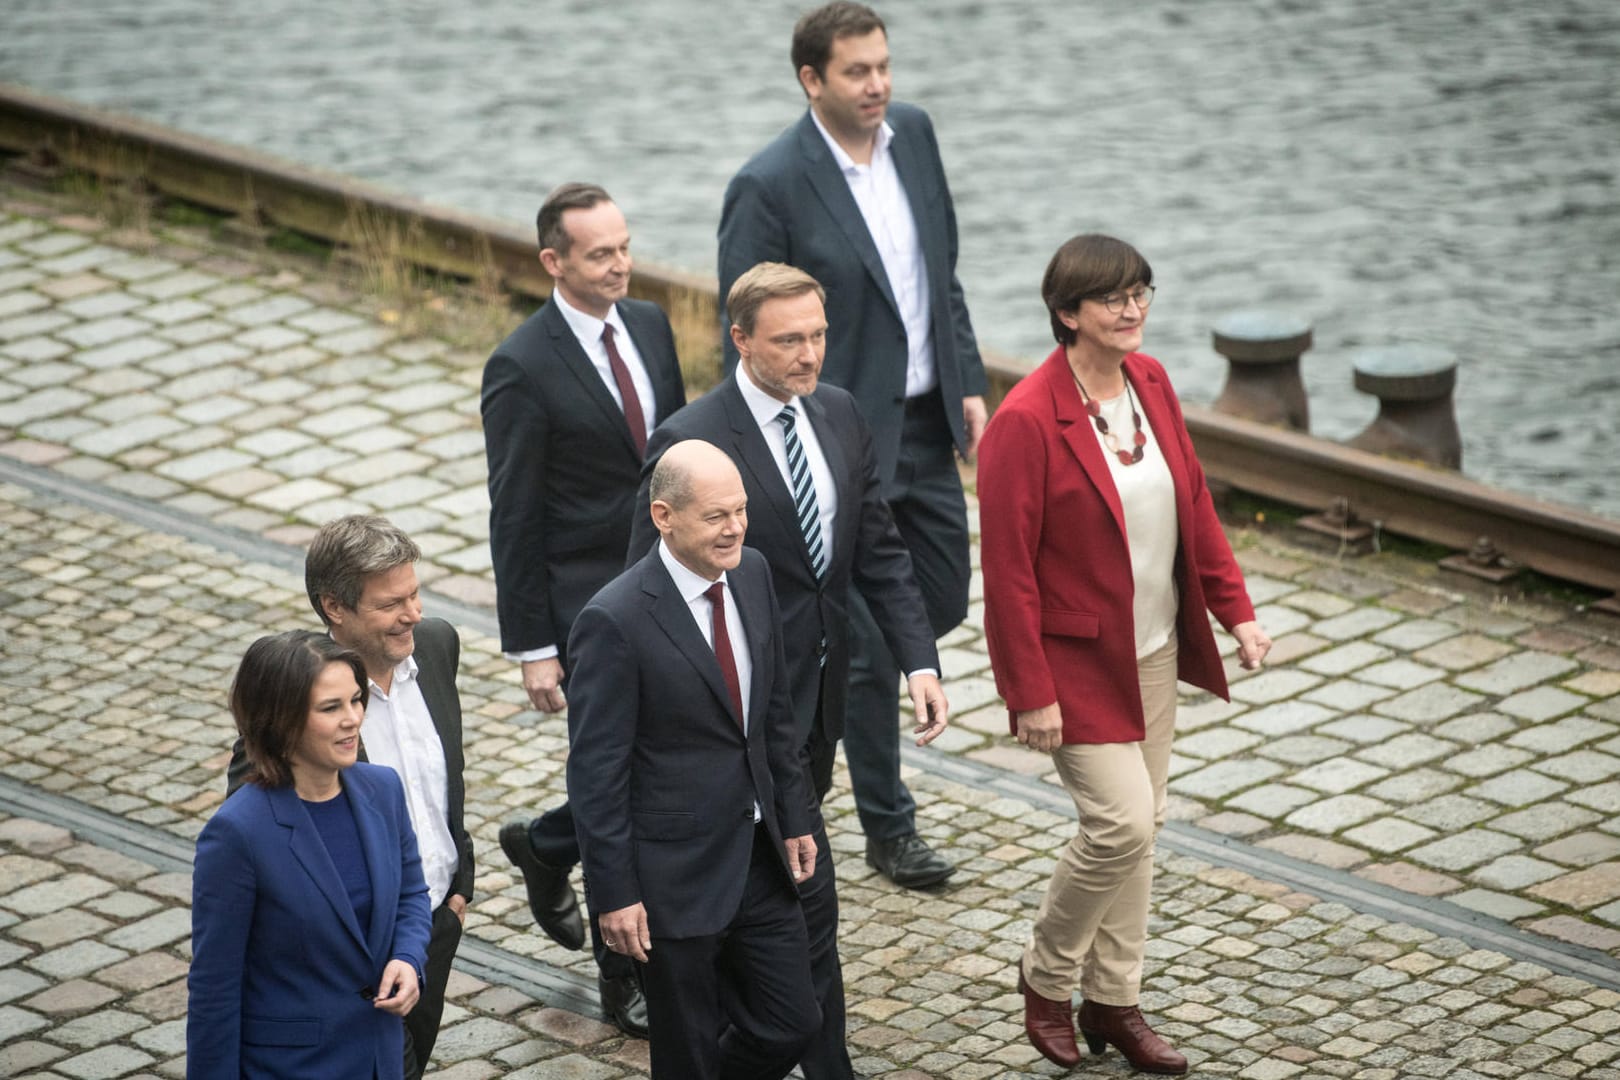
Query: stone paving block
x,y
1281,620
1512,873
78,958
1516,672
51,401
15,1022
1355,623
208,354
1366,730
294,493
196,332
1580,848
270,338
33,324
1449,813
344,420
182,283
1582,766
1343,659
1569,928
1476,728
98,1028
1388,835
1315,849
1407,750
1284,718
32,349
1463,652
1223,778
171,312
1399,674
1543,822
53,243
100,305
122,354
16,983
1331,815
201,466
325,321
163,928
65,891
137,268
20,303
477,1037
213,410
1505,906
59,927
1465,849
1517,788
117,438
1542,703
1293,749
1583,889
1428,704
270,309
1338,775
360,339
1273,684
103,331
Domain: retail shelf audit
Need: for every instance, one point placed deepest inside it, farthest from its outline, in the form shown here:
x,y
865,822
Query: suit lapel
x,y
309,851
579,365
832,448
754,615
1076,429
675,619
909,165
652,359
833,190
1156,410
382,863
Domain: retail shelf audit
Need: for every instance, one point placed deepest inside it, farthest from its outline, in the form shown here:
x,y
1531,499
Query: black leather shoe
x,y
624,1004
908,861
551,898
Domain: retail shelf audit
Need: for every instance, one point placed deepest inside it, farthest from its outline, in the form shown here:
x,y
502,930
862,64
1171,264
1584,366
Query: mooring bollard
x,y
1262,349
1416,418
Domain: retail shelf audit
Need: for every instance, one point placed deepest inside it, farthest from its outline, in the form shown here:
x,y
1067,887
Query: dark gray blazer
x,y
867,551
790,204
438,655
562,468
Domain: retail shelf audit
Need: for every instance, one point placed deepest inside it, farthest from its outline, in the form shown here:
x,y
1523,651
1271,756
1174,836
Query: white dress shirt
x,y
692,586
588,332
765,410
398,732
884,207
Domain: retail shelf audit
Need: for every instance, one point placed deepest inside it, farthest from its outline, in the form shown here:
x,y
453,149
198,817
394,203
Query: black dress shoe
x,y
624,1004
551,898
908,861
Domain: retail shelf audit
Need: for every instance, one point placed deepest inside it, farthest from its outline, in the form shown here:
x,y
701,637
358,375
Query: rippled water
x,y
1438,171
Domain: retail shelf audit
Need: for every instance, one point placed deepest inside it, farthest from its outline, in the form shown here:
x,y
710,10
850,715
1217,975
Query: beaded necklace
x,y
1110,440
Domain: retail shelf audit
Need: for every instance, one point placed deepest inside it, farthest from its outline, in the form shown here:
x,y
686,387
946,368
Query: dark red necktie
x,y
627,390
722,647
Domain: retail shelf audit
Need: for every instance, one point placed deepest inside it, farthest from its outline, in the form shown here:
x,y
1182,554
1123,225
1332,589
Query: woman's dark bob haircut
x,y
270,697
1086,267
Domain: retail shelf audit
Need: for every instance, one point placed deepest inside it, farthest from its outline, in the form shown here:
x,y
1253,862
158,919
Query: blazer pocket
x,y
269,1031
664,824
1059,623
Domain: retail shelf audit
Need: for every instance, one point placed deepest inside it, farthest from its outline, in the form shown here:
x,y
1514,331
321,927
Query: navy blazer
x,y
867,550
661,778
791,204
562,468
279,961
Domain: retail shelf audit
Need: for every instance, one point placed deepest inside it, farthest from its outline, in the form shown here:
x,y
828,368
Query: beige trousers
x,y
1091,929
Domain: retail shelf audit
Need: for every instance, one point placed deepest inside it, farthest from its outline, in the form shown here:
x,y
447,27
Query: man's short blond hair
x,y
767,281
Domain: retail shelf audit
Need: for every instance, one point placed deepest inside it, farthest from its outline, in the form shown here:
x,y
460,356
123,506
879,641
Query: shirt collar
x,y
404,673
690,585
764,408
587,328
846,164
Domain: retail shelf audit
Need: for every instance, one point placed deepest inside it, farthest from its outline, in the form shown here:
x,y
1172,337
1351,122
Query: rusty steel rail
x,y
1410,500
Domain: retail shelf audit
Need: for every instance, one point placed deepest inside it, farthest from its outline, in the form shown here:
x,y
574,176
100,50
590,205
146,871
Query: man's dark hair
x,y
548,223
347,551
1087,267
815,33
270,697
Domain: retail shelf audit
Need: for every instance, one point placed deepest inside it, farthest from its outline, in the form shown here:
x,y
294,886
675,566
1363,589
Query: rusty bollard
x,y
1416,418
1262,349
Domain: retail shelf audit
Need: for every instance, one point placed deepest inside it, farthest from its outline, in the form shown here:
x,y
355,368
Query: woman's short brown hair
x,y
270,697
1084,268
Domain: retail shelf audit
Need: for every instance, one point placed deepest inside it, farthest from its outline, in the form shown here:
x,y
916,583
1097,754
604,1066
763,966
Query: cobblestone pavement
x,y
1411,731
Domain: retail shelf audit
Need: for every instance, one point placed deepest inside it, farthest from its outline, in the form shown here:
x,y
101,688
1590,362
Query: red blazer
x,y
1057,572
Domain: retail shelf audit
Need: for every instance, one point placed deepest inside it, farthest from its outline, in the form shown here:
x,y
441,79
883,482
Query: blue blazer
x,y
790,203
279,961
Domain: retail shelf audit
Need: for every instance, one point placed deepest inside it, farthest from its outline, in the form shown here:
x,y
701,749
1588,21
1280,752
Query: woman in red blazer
x,y
1101,555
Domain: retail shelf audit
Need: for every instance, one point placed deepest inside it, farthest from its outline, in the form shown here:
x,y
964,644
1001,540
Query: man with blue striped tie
x,y
816,512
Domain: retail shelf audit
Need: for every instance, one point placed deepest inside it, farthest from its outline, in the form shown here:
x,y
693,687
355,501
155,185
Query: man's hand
x,y
974,417
1253,644
801,853
624,931
542,680
458,906
929,705
399,989
1040,729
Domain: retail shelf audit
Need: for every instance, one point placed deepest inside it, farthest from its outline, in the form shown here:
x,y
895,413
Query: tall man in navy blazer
x,y
855,195
693,810
818,517
568,402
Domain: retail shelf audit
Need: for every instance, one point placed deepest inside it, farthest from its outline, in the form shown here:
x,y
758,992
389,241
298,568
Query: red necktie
x,y
627,390
722,647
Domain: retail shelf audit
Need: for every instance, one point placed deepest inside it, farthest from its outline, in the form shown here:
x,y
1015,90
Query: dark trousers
x,y
422,1022
931,514
826,1056
740,1004
553,839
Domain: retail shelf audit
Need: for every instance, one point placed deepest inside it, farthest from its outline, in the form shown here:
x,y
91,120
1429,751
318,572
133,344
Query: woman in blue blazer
x,y
309,914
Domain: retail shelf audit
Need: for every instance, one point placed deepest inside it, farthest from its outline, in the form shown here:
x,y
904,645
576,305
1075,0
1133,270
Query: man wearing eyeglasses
x,y
854,194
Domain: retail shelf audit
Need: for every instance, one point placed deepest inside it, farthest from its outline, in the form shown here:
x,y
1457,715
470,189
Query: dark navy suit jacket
x,y
867,551
279,961
791,204
661,778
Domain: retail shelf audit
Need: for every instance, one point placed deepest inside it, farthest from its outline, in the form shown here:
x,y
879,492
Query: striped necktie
x,y
804,492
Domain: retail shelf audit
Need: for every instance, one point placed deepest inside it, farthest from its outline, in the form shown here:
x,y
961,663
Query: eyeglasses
x,y
1116,301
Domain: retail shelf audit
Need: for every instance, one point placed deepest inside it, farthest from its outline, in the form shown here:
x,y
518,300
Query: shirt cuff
x,y
922,671
528,655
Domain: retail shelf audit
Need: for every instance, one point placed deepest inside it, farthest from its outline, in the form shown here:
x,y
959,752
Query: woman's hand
x,y
399,989
1253,644
1040,729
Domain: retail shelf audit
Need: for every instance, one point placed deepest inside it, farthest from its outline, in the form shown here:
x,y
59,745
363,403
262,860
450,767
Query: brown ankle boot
x,y
1124,1026
1049,1025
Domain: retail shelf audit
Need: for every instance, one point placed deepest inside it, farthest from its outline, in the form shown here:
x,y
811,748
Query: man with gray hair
x,y
360,574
